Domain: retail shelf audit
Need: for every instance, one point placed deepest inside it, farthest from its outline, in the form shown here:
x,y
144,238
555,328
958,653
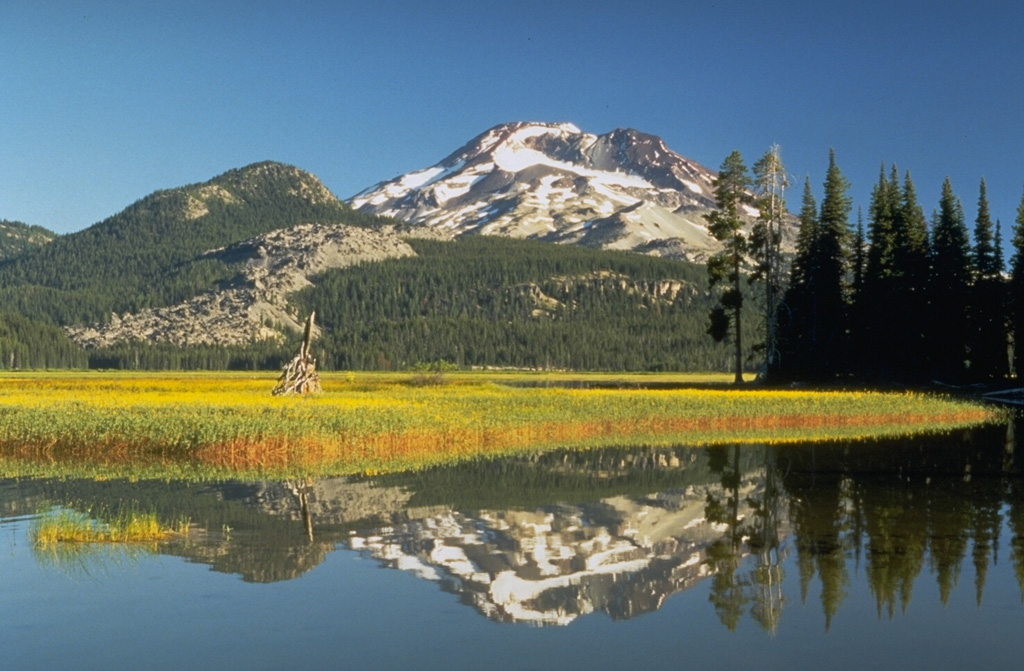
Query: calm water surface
x,y
891,554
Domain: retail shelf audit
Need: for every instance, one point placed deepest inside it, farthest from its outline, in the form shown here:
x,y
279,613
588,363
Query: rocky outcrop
x,y
558,292
254,307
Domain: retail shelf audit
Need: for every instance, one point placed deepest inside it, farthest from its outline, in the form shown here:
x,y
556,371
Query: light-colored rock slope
x,y
254,307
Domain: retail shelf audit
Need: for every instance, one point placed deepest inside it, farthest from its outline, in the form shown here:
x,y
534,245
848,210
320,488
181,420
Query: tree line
x,y
479,301
492,301
894,300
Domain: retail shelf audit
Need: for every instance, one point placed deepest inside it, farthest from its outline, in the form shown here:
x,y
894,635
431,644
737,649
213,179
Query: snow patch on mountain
x,y
621,190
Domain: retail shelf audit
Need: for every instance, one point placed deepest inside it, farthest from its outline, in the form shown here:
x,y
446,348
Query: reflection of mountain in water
x,y
259,530
621,555
545,539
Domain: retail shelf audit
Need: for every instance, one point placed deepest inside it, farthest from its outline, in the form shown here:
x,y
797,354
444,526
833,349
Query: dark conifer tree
x,y
874,318
830,255
893,303
856,317
726,225
912,261
985,261
816,300
1016,293
797,301
884,203
987,342
807,233
949,289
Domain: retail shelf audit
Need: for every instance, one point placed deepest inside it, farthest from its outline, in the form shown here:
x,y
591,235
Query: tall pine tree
x,y
911,258
949,289
892,305
830,253
856,317
1016,308
987,342
816,300
872,328
798,301
726,267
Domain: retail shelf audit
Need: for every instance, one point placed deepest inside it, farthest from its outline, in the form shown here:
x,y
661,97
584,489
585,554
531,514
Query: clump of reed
x,y
67,526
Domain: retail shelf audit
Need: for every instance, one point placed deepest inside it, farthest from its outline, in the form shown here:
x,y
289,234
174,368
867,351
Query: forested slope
x,y
16,238
475,301
148,255
489,301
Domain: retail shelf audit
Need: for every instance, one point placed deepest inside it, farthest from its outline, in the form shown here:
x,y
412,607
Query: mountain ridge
x,y
150,254
17,237
622,190
233,262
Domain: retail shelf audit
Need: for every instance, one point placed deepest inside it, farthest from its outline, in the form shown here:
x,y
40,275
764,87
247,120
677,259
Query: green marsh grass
x,y
67,526
216,425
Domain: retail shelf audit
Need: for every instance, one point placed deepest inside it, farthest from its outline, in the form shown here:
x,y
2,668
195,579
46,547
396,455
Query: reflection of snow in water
x,y
548,566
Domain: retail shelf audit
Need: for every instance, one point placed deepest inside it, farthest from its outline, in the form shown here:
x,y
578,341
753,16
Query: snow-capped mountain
x,y
621,190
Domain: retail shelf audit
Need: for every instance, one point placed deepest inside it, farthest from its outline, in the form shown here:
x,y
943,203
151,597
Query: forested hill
x,y
487,301
147,255
16,238
483,300
475,301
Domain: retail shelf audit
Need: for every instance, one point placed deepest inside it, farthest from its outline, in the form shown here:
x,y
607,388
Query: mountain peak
x,y
258,178
553,181
17,237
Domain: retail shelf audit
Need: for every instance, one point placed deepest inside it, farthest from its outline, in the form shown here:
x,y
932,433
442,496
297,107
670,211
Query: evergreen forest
x,y
900,298
892,296
490,301
477,301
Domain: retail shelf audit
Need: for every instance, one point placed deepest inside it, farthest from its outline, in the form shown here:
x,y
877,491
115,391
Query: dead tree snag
x,y
300,376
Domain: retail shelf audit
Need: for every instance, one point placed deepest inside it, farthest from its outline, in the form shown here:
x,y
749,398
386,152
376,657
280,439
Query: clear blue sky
x,y
103,102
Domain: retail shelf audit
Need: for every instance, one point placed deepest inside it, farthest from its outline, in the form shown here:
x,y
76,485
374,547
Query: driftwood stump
x,y
300,376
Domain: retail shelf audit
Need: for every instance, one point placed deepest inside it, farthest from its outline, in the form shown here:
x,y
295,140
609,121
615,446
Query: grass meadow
x,y
216,425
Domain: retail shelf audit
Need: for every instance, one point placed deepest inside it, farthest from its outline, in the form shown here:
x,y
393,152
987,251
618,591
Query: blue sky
x,y
103,102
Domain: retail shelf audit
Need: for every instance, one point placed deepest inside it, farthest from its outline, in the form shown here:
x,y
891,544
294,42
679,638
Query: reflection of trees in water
x,y
897,506
759,533
887,510
1015,496
821,524
904,505
766,543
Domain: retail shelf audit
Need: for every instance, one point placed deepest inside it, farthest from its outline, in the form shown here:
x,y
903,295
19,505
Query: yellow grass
x,y
212,425
68,526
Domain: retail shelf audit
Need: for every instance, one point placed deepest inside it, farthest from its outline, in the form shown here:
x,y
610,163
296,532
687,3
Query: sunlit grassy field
x,y
217,425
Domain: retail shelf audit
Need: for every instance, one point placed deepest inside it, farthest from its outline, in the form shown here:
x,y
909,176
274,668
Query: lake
x,y
897,553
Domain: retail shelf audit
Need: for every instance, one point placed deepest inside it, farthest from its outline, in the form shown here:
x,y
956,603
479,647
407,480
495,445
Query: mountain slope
x,y
622,190
384,302
254,305
17,238
494,301
150,254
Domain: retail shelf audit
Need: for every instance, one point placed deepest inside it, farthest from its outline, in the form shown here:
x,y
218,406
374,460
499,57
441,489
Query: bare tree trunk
x,y
300,376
